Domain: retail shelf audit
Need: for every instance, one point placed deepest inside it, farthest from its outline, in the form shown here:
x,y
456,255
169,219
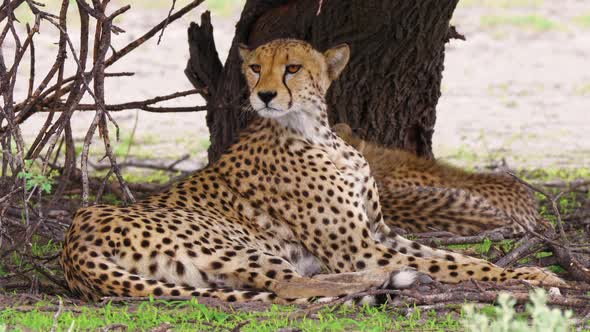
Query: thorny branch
x,y
57,96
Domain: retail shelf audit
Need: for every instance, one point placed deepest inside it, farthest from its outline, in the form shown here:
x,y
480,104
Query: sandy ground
x,y
518,88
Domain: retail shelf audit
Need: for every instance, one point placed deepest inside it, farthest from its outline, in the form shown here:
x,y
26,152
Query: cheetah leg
x,y
454,270
375,277
339,284
443,265
268,272
309,287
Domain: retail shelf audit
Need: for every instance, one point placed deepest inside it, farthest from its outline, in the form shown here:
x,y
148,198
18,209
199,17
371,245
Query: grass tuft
x,y
583,21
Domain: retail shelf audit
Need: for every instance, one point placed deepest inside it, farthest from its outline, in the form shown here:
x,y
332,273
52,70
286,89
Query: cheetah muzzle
x,y
289,212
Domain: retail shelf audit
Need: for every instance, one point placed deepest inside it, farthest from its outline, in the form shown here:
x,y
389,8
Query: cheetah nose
x,y
267,96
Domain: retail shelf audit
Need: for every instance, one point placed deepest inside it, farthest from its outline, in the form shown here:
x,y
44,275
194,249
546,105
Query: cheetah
x,y
289,213
421,195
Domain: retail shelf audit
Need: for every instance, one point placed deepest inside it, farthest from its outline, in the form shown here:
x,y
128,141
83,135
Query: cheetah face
x,y
287,76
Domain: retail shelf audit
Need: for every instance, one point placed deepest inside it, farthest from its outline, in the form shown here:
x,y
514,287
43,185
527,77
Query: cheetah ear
x,y
337,58
244,51
343,130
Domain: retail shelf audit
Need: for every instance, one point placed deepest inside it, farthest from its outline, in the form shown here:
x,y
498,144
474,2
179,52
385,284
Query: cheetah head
x,y
288,76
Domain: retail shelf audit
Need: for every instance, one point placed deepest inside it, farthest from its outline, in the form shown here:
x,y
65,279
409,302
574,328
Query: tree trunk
x,y
389,90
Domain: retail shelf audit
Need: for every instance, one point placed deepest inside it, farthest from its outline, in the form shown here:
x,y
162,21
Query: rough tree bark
x,y
390,89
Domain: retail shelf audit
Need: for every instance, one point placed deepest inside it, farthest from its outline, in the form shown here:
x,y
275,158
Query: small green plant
x,y
504,318
507,245
563,174
40,249
34,178
484,247
3,271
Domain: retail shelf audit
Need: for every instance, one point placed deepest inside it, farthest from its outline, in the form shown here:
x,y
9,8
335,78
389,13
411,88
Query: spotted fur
x,y
420,195
289,200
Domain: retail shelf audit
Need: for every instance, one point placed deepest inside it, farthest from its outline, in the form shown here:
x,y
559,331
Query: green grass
x,y
483,248
583,89
583,21
556,173
192,316
527,22
40,249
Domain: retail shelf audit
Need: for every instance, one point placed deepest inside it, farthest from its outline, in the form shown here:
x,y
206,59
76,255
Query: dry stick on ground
x,y
435,234
413,297
418,298
461,239
56,316
115,327
524,247
561,246
9,195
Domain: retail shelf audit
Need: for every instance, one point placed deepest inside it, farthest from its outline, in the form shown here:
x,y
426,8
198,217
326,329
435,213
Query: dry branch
x,y
413,297
137,164
444,241
141,105
42,96
58,97
559,243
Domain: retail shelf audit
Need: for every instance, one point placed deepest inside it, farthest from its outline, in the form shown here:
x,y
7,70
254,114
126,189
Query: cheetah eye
x,y
292,69
255,68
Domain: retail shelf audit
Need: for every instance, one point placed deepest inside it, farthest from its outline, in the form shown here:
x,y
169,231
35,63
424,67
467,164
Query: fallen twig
x,y
526,246
462,239
56,316
417,298
560,244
